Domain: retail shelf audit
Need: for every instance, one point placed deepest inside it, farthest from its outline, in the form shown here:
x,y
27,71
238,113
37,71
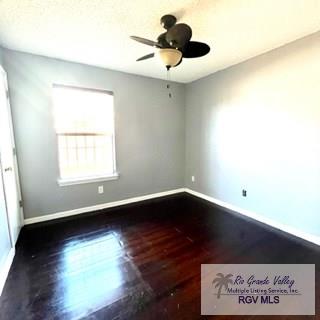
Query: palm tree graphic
x,y
222,281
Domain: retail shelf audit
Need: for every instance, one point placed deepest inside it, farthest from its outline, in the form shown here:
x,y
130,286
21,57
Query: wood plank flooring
x,y
139,261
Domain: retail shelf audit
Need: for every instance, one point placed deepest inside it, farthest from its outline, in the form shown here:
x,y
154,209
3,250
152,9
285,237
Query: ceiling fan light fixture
x,y
174,44
169,57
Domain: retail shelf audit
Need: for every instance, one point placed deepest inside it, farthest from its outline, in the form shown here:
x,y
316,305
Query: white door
x,y
9,162
5,239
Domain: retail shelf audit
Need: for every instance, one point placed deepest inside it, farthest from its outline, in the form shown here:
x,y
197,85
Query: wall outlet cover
x,y
100,189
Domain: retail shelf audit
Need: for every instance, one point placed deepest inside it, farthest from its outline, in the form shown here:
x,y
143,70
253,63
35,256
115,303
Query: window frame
x,y
86,179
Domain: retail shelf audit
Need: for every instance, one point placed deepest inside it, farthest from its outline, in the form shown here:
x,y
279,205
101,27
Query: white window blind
x,y
84,124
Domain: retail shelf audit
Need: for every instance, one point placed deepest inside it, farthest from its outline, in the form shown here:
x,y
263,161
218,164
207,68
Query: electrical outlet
x,y
100,189
193,179
244,192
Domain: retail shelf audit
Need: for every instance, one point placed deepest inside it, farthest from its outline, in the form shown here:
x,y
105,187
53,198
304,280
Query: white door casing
x,y
9,162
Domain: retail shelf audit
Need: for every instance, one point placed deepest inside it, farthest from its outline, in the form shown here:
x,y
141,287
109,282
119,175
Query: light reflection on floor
x,y
94,273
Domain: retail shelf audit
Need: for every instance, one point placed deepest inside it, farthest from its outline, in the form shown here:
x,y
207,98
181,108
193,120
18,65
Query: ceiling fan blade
x,y
147,56
146,41
179,35
195,49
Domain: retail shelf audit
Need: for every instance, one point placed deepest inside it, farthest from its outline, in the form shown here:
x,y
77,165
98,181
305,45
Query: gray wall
x,y
254,126
257,126
149,126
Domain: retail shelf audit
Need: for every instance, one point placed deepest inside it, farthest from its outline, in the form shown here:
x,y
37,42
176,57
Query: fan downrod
x,y
168,21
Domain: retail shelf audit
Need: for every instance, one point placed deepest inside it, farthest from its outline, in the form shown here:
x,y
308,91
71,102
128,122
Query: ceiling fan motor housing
x,y
168,21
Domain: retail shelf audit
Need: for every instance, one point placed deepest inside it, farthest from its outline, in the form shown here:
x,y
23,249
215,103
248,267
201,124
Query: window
x,y
84,124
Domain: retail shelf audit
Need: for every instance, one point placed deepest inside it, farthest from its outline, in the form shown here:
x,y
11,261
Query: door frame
x,y
15,162
5,205
5,268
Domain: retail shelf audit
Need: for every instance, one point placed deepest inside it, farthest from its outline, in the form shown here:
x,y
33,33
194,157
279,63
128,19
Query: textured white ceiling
x,y
96,32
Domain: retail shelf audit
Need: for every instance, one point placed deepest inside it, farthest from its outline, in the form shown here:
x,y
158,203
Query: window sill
x,y
69,182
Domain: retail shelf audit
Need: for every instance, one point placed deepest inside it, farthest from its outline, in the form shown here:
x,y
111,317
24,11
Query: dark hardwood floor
x,y
140,261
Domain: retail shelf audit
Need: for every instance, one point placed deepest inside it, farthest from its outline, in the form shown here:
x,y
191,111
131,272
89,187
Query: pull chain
x,y
168,84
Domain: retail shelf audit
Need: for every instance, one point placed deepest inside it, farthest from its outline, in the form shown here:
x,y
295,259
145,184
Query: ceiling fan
x,y
174,44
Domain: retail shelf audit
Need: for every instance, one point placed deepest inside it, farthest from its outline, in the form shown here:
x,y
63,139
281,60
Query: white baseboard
x,y
258,217
73,212
6,268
